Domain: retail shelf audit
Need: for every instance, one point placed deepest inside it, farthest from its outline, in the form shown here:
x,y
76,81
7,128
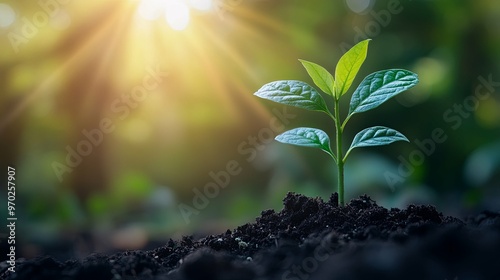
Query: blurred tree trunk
x,y
88,93
86,106
11,127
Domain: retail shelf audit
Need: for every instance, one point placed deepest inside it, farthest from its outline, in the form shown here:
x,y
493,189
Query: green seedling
x,y
374,90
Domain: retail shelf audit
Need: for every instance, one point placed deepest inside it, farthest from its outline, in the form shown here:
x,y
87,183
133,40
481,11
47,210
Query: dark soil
x,y
308,239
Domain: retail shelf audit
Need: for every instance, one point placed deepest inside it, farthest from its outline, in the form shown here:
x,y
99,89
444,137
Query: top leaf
x,y
293,93
378,87
348,66
321,77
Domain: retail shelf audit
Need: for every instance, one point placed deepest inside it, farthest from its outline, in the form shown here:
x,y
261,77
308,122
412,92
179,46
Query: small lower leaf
x,y
306,137
376,136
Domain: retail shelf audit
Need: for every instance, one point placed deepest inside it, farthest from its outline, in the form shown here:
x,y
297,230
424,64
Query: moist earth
x,y
308,239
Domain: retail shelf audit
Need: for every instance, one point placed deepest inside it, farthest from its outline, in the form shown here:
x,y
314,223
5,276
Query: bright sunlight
x,y
177,15
176,12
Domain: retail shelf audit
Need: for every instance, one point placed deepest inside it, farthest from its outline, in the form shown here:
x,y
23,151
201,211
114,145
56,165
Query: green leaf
x,y
306,137
378,87
293,93
375,136
321,77
348,66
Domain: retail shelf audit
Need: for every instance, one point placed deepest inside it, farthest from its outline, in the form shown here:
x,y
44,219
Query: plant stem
x,y
340,158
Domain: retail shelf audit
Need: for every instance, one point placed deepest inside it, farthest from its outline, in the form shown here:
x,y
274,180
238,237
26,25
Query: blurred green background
x,y
165,89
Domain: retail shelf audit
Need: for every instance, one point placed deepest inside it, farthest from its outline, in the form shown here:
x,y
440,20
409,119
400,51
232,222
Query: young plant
x,y
374,90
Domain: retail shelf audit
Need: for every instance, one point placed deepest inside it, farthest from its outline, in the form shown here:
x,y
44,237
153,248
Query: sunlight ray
x,y
74,58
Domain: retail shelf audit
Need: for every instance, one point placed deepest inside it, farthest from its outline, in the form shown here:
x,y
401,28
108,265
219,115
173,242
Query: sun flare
x,y
177,15
176,12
